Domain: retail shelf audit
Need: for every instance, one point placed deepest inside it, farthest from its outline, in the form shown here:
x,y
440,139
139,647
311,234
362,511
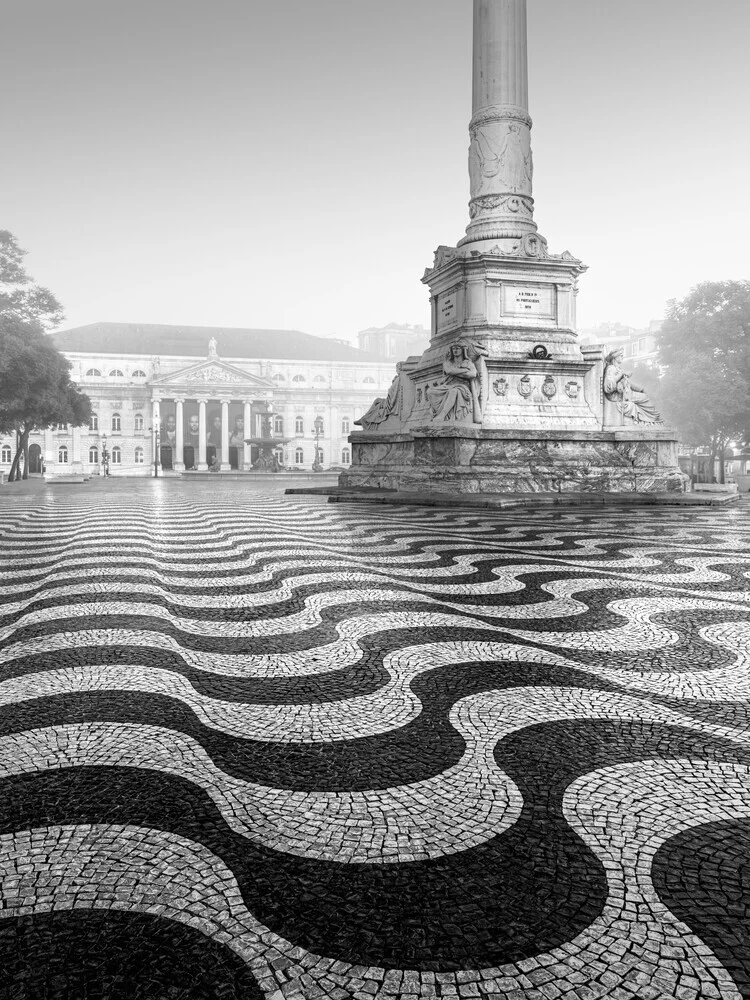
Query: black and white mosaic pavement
x,y
255,747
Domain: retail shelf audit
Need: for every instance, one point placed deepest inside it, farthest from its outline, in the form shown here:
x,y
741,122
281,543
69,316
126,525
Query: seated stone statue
x,y
383,408
631,400
459,395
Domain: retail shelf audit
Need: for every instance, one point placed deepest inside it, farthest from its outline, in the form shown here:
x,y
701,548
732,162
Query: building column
x,y
178,462
500,160
156,429
225,466
246,417
202,463
76,464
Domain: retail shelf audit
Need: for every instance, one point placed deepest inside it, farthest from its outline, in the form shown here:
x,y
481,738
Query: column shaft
x,y
246,458
225,435
155,418
178,462
500,160
202,464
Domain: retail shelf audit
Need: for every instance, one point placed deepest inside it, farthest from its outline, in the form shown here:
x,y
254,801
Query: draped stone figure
x,y
384,407
630,399
461,393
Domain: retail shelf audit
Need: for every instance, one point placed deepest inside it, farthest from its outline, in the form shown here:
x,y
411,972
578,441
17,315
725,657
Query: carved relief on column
x,y
202,463
501,168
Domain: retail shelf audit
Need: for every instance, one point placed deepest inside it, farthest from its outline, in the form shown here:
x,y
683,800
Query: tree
x,y
19,296
35,386
704,349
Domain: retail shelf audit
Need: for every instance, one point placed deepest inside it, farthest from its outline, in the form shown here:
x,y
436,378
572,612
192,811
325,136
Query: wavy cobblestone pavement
x,y
256,747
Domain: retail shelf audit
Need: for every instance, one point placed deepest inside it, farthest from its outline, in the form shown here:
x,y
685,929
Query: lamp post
x,y
105,455
317,465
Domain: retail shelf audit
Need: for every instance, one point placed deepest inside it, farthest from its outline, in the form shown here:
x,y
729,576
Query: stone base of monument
x,y
478,460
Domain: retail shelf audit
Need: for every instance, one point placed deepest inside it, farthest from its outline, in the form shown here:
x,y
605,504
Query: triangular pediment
x,y
213,371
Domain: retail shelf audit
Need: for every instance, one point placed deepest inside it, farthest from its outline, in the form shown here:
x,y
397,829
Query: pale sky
x,y
294,163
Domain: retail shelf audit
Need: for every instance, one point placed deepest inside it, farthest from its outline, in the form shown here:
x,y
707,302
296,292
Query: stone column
x,y
178,462
202,463
225,466
76,463
500,160
156,424
246,417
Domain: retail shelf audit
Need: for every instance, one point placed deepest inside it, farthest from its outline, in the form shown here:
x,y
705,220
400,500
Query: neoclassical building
x,y
181,398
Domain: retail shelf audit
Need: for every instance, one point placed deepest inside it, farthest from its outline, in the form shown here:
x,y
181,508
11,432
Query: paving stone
x,y
258,746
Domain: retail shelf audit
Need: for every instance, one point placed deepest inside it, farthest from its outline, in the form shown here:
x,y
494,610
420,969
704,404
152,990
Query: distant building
x,y
189,395
639,345
394,341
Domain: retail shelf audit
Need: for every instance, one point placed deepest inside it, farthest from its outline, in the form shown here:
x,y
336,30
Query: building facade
x,y
174,399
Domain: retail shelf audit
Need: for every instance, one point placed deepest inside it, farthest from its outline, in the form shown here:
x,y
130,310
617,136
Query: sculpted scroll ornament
x,y
515,204
462,391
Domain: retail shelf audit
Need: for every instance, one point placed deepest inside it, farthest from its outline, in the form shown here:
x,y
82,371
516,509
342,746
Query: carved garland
x,y
500,112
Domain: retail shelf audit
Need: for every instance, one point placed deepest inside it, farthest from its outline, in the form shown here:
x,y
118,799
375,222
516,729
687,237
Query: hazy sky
x,y
294,163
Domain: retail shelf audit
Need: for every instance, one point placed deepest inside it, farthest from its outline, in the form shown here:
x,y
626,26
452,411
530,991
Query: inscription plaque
x,y
447,311
529,302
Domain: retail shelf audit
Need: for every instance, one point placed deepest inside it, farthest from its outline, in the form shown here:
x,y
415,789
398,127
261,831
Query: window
x,y
139,373
94,422
345,456
319,378
94,455
278,377
345,425
139,421
6,456
298,378
139,456
299,425
279,453
320,456
62,427
299,456
116,373
115,422
93,373
278,424
116,456
369,380
62,455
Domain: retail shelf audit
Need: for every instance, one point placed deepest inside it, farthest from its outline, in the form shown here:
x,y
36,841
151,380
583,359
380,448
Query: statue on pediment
x,y
212,352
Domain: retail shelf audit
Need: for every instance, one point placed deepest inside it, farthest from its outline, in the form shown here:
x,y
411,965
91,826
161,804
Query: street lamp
x,y
105,455
317,465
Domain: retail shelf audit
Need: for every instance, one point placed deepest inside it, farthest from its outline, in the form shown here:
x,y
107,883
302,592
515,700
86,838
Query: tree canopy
x,y
704,349
19,296
35,386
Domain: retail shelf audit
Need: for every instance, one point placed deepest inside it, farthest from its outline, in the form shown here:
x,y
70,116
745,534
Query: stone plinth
x,y
482,461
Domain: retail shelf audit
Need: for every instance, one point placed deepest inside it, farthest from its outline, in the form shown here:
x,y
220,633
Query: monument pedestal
x,y
475,460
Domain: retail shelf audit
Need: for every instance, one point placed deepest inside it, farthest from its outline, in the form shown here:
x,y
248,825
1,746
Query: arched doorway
x,y
35,460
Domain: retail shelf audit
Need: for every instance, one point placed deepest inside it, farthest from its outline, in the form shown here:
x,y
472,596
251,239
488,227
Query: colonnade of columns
x,y
198,439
